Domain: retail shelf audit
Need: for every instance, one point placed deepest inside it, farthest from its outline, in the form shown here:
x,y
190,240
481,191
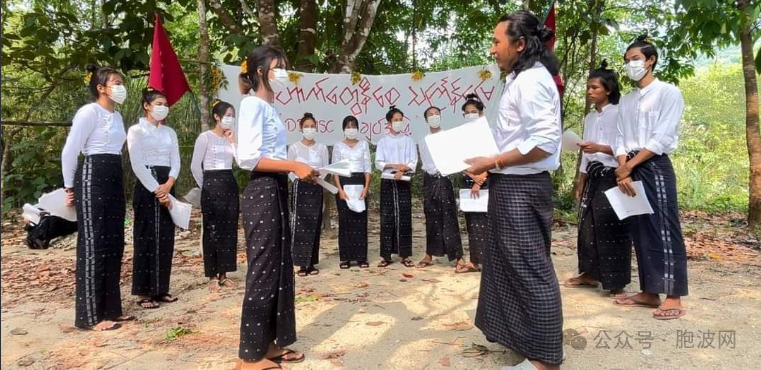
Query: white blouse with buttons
x,y
211,152
94,130
151,146
316,156
601,128
357,155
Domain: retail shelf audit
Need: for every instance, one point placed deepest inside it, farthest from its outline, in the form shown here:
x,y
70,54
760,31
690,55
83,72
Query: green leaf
x,y
758,61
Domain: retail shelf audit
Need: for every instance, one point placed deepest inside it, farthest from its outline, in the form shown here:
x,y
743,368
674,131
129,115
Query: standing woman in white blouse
x,y
648,132
306,222
96,188
604,246
268,317
212,168
155,156
352,226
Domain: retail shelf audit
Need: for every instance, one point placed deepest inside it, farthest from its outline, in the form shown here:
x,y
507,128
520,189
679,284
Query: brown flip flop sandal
x,y
577,283
658,313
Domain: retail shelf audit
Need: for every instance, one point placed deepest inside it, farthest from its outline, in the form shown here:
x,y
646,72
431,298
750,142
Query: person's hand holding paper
x,y
455,150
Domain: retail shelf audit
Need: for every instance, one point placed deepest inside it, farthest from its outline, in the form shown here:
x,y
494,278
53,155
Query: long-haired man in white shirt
x,y
519,305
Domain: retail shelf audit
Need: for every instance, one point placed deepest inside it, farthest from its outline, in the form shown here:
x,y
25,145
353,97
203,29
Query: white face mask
x,y
118,93
351,133
470,117
227,122
635,69
398,126
159,112
434,121
309,133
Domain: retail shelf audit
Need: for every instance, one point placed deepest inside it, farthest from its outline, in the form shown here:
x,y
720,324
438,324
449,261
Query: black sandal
x,y
385,263
408,263
303,272
124,318
314,271
344,265
364,265
282,360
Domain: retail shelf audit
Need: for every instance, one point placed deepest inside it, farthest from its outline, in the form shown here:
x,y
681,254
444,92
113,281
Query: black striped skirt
x,y
100,203
220,208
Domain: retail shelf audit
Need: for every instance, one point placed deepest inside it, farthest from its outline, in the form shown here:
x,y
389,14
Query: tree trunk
x,y
354,38
268,23
203,65
225,17
752,133
308,15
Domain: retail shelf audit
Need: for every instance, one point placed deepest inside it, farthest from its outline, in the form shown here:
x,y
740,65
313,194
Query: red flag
x,y
550,23
166,73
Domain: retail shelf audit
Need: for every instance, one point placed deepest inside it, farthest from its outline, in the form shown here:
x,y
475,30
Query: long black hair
x,y
526,25
646,46
261,57
348,120
219,108
392,111
473,99
149,95
609,81
99,76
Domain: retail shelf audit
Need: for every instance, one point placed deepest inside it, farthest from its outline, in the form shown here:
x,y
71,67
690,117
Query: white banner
x,y
331,97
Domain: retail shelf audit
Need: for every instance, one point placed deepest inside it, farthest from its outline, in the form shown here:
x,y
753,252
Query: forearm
x,y
275,166
368,178
515,158
640,158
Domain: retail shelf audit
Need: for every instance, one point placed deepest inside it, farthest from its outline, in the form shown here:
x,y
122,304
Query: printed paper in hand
x,y
55,203
571,141
353,192
449,149
625,205
180,213
479,205
391,176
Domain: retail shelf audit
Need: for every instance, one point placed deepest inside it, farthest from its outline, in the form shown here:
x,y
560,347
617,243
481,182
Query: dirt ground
x,y
394,318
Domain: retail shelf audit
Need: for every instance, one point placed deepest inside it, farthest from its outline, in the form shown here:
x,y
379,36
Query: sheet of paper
x,y
340,168
31,213
193,197
353,192
468,204
570,141
626,206
391,176
449,149
180,213
327,186
55,203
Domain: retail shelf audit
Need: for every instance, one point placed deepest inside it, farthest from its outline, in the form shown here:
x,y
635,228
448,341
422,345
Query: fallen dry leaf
x,y
363,284
459,326
374,323
334,354
408,275
444,361
432,280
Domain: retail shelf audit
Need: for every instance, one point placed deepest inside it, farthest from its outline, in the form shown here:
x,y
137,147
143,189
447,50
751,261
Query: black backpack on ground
x,y
49,228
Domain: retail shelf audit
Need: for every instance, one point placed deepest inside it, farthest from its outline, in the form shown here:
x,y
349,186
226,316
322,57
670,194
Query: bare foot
x,y
263,364
581,281
105,325
640,300
542,366
425,262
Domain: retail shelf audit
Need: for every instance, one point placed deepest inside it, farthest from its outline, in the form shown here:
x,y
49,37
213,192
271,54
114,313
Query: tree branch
x,y
225,17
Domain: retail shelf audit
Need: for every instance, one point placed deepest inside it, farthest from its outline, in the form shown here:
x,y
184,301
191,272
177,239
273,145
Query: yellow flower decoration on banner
x,y
244,67
355,78
294,77
88,78
485,74
216,77
417,75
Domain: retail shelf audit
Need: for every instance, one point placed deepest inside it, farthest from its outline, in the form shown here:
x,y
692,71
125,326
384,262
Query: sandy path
x,y
370,319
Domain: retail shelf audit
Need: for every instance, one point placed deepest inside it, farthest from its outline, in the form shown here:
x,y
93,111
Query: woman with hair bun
x,y
155,156
212,168
96,188
306,210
